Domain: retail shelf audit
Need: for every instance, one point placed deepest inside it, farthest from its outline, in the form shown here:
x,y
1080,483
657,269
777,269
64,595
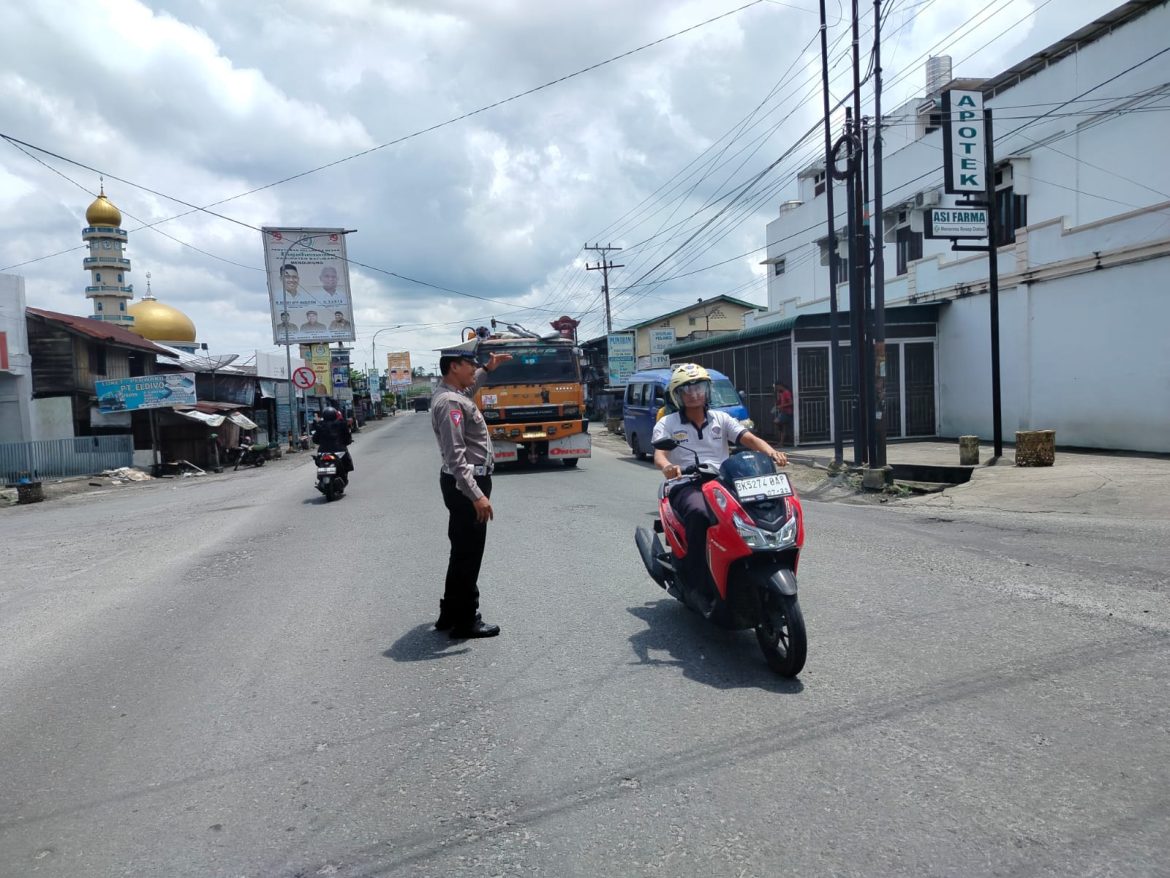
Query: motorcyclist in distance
x,y
698,428
333,434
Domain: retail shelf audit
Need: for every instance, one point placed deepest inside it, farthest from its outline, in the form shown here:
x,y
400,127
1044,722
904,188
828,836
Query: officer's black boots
x,y
444,622
478,628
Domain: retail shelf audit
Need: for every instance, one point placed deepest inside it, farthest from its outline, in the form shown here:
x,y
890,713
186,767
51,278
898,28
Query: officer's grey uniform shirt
x,y
462,434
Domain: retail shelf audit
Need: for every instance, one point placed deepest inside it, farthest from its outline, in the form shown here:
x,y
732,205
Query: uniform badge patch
x,y
457,417
716,431
680,436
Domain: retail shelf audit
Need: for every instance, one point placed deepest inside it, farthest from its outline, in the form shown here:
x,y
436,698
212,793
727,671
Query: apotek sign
x,y
956,222
964,143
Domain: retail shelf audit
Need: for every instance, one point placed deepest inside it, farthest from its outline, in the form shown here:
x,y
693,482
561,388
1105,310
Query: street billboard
x,y
145,392
398,368
308,285
621,357
320,360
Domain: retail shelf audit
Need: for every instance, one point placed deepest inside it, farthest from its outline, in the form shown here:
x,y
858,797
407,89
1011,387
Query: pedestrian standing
x,y
466,483
782,413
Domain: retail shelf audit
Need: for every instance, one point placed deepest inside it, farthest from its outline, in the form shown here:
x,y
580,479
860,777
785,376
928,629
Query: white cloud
x,y
205,101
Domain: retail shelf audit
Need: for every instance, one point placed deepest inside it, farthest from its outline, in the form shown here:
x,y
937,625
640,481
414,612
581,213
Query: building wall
x,y
52,418
723,317
16,381
1059,366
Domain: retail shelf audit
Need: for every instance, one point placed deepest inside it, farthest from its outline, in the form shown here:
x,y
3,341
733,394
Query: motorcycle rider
x,y
707,431
332,434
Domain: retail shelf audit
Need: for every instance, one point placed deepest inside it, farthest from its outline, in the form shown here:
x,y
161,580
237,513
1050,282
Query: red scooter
x,y
753,547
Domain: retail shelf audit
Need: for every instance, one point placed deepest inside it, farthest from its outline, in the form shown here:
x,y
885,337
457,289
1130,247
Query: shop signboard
x,y
146,392
621,358
661,339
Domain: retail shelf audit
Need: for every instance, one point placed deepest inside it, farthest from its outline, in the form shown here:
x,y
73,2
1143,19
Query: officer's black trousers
x,y
467,536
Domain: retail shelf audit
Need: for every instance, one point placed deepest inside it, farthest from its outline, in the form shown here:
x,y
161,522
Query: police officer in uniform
x,y
466,482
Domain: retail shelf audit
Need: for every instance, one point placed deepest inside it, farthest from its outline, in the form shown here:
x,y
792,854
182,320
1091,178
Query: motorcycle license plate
x,y
775,485
326,470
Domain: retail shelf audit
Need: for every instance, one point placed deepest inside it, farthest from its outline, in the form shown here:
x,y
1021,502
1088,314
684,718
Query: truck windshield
x,y
539,364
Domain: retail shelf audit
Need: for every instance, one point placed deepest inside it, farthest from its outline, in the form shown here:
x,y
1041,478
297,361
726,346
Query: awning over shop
x,y
210,420
241,421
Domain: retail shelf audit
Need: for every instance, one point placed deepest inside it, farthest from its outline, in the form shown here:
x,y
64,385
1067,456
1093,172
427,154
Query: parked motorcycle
x,y
753,548
247,454
329,481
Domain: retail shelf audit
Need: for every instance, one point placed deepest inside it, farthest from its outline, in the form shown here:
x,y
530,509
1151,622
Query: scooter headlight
x,y
749,533
758,538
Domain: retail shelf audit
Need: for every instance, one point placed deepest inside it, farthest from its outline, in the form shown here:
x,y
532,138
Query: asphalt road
x,y
229,677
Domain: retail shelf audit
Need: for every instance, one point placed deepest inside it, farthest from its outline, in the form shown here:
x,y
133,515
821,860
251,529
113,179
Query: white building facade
x,y
1083,196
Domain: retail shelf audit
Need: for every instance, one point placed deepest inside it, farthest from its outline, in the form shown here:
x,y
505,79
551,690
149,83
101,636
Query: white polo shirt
x,y
710,439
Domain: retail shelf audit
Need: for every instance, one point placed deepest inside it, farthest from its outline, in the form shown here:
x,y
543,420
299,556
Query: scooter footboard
x,y
649,547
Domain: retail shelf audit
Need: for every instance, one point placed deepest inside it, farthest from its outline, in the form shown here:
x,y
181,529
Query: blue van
x,y
646,394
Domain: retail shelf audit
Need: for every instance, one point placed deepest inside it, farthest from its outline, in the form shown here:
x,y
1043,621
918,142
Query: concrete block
x,y
968,450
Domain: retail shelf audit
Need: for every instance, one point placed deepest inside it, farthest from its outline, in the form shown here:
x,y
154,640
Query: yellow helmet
x,y
683,374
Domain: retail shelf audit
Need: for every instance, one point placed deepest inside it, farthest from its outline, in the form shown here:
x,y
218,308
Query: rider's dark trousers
x,y
468,537
687,501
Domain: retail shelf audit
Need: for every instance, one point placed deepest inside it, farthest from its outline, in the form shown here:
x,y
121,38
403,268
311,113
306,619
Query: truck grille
x,y
520,414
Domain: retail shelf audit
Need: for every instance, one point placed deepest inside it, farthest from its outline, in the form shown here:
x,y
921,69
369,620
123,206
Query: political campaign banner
x,y
308,285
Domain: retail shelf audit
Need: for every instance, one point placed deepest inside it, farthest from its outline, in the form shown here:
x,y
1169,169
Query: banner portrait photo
x,y
308,285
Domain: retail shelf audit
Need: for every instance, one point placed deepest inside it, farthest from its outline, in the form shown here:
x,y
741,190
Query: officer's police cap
x,y
469,350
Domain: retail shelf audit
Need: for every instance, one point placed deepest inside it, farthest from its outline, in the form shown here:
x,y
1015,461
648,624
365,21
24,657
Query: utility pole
x,y
879,265
830,178
604,265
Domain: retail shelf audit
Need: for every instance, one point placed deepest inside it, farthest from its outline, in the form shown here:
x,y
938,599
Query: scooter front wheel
x,y
781,635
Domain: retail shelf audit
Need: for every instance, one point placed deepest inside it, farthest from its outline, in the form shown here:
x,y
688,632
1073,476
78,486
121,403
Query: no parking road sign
x,y
304,377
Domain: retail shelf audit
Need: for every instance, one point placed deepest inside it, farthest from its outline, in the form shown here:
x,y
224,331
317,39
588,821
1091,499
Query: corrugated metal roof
x,y
901,314
775,327
98,329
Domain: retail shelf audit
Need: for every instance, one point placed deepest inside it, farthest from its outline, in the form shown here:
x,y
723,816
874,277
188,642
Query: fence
x,y
59,458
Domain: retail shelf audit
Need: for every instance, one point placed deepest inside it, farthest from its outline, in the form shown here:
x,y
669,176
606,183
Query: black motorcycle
x,y
332,473
247,455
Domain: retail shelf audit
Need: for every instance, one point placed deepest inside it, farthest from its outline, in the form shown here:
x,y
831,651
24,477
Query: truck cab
x,y
534,404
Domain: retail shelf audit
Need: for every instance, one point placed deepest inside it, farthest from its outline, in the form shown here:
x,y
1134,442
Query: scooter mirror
x,y
665,444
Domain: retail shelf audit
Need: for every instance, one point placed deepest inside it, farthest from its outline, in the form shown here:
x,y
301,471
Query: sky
x,y
476,146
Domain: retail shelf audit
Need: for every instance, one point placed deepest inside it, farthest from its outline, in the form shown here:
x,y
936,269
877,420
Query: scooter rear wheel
x,y
781,635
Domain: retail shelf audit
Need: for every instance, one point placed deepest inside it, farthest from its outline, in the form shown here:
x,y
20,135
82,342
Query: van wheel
x,y
639,454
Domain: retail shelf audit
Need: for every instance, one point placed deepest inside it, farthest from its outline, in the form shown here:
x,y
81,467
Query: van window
x,y
631,394
642,388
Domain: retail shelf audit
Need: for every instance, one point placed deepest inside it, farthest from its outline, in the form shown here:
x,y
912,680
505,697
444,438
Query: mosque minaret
x,y
108,267
107,263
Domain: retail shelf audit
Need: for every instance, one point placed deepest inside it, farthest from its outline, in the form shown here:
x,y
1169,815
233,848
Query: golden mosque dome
x,y
103,213
155,321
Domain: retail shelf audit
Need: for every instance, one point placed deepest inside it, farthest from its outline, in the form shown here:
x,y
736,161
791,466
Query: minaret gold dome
x,y
103,213
158,322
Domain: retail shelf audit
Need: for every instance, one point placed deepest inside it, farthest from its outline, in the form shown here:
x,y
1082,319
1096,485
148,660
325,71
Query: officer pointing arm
x,y
466,484
462,431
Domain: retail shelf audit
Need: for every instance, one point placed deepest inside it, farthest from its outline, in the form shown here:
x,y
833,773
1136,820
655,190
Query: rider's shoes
x,y
478,628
